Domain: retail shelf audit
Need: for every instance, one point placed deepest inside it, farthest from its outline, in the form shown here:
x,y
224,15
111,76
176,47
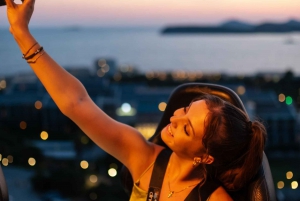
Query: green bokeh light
x,y
288,100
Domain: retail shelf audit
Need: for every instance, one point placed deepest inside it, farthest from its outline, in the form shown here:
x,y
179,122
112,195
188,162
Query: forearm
x,y
65,89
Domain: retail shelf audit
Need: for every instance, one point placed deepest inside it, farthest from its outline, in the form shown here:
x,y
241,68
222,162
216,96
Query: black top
x,y
198,193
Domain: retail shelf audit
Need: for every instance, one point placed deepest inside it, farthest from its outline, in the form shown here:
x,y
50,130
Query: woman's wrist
x,y
25,40
19,32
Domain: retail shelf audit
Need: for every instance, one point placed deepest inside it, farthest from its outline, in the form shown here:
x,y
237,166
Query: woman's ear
x,y
208,160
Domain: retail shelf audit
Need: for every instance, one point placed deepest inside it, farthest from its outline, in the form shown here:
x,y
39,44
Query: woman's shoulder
x,y
220,194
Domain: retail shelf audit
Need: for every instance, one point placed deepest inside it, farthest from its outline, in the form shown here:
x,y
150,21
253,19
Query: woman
x,y
207,132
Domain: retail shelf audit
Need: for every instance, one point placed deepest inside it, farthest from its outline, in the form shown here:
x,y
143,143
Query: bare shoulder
x,y
220,194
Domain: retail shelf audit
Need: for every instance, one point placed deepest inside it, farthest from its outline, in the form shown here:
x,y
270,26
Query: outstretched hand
x,y
19,15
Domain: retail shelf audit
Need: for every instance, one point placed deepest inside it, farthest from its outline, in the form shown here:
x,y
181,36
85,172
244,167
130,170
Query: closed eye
x,y
185,130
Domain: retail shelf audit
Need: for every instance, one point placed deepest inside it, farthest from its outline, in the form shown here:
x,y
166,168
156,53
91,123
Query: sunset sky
x,y
157,12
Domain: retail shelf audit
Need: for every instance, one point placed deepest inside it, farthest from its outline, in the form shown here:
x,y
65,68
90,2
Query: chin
x,y
164,134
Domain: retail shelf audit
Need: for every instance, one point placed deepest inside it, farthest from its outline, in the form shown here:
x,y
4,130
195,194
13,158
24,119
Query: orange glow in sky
x,y
158,12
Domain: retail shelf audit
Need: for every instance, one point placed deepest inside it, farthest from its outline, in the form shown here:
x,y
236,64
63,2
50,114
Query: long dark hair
x,y
234,141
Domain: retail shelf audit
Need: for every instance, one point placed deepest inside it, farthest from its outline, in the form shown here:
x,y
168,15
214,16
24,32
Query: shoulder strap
x,y
158,174
204,191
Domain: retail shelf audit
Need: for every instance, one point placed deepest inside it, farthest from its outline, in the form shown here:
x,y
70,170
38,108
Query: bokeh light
x,y
31,161
289,175
112,172
241,90
44,135
84,164
10,158
288,100
38,105
294,185
23,125
281,98
5,162
93,178
162,106
280,185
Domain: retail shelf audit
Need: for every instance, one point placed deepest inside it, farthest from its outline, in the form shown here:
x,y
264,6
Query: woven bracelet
x,y
33,54
24,55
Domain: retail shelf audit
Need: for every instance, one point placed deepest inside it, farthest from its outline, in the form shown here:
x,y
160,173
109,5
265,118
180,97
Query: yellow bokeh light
x,y
280,185
101,62
38,105
289,175
93,178
23,125
147,130
112,172
44,135
5,162
84,164
2,84
294,185
100,73
84,139
0,157
241,90
31,161
10,158
162,106
281,97
117,77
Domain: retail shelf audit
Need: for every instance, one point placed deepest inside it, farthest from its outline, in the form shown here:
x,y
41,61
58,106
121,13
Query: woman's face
x,y
186,129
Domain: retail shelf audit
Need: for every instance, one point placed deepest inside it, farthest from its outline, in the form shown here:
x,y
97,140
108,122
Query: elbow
x,y
70,107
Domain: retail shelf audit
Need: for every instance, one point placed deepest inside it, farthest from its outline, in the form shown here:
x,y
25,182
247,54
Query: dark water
x,y
148,50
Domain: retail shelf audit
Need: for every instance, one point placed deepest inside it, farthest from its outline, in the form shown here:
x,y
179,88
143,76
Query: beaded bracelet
x,y
33,54
24,55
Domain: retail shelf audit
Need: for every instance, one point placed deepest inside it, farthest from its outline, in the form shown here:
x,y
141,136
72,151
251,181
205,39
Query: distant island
x,y
236,26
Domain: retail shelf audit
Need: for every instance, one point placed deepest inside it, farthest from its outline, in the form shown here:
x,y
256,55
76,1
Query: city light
x,y
31,161
84,164
112,172
147,130
126,107
289,175
162,106
281,98
10,158
44,135
23,125
117,77
2,84
288,100
294,185
241,90
280,185
5,162
84,139
38,105
93,178
126,110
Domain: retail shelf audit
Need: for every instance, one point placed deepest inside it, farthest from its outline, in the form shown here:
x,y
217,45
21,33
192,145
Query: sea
x,y
147,49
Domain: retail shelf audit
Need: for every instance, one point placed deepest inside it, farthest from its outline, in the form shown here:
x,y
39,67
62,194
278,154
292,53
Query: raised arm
x,y
69,94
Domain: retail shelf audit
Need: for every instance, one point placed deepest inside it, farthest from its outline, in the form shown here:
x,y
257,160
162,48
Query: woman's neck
x,y
181,169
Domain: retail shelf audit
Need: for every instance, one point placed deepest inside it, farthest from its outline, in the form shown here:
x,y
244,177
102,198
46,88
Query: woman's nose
x,y
176,117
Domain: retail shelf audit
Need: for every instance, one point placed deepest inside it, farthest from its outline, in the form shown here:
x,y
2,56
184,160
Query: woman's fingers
x,y
28,2
9,3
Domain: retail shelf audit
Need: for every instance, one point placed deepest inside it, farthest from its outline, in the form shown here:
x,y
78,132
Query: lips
x,y
169,130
